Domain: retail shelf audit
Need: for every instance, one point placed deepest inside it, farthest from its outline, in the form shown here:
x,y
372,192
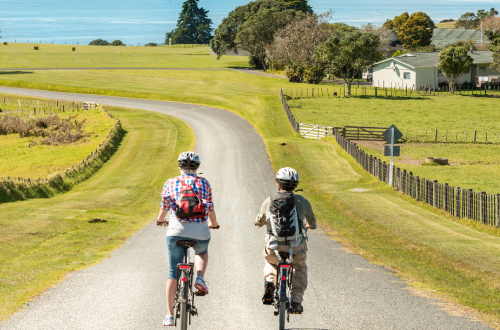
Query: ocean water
x,y
137,22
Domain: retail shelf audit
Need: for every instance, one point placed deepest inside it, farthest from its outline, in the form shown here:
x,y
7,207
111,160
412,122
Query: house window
x,y
406,75
482,68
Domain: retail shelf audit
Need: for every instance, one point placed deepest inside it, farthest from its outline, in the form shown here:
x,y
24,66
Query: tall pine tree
x,y
193,25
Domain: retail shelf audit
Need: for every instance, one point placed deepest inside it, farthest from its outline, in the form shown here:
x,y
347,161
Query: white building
x,y
420,70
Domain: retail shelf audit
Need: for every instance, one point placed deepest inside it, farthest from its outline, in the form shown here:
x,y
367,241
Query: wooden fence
x,y
480,207
461,203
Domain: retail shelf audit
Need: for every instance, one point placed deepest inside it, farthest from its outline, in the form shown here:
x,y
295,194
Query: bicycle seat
x,y
186,244
284,255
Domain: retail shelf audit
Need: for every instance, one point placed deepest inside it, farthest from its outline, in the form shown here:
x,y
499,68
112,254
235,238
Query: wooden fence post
x,y
498,210
470,203
458,214
446,196
403,182
484,208
435,193
417,180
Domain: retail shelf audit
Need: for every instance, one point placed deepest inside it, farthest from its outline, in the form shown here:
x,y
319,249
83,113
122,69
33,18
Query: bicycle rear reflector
x,y
184,267
286,266
184,279
283,278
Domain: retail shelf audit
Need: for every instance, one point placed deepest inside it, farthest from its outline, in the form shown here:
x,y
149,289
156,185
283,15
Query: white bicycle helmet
x,y
189,160
288,178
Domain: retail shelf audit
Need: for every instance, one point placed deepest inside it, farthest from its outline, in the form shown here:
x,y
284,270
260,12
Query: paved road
x,y
126,291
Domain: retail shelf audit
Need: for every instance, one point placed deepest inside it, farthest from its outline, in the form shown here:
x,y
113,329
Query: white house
x,y
420,70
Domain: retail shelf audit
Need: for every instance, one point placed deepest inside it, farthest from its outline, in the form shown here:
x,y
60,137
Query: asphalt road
x,y
126,291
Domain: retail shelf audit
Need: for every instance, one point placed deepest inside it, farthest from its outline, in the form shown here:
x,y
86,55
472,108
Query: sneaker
x,y
168,321
297,308
200,285
268,297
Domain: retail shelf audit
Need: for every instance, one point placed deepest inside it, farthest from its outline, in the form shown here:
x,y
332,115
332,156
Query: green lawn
x,y
58,237
17,55
20,158
474,165
456,260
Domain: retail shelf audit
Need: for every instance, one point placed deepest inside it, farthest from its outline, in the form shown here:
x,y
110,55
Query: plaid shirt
x,y
173,188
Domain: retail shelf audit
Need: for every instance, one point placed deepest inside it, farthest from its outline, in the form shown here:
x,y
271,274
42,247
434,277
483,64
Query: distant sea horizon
x,y
138,22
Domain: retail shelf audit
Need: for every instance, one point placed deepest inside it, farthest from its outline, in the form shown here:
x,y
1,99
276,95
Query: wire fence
x,y
461,203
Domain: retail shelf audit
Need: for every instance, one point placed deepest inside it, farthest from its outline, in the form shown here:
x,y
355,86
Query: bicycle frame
x,y
184,297
282,296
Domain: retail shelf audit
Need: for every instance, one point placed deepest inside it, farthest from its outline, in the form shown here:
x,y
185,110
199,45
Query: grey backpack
x,y
283,221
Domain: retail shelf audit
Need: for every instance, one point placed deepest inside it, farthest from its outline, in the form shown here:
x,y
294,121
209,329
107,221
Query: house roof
x,y
443,37
430,60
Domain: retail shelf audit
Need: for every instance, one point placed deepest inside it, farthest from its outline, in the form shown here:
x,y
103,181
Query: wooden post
x,y
446,196
435,193
498,211
458,214
484,208
475,135
436,135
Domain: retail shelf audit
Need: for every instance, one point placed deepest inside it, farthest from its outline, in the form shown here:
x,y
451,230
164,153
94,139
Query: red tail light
x,y
184,279
283,278
286,266
184,267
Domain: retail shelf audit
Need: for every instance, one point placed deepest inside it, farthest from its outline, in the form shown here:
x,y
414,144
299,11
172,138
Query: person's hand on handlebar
x,y
163,223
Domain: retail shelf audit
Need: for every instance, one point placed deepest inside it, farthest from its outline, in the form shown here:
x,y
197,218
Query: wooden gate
x,y
364,133
314,131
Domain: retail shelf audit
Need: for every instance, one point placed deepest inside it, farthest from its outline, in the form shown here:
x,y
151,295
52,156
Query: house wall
x,y
392,74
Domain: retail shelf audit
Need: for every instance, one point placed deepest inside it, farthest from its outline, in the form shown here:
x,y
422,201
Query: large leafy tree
x,y
470,20
396,23
346,55
257,33
193,25
495,65
454,62
416,31
296,42
301,5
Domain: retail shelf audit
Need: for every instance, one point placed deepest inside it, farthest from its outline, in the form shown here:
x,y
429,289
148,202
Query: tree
x,y
296,42
193,25
417,31
257,33
471,21
454,62
117,43
495,65
396,23
346,55
299,5
99,42
225,35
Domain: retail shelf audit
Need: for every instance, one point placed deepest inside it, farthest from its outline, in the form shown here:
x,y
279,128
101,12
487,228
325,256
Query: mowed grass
x,y
456,260
18,55
474,165
58,237
19,157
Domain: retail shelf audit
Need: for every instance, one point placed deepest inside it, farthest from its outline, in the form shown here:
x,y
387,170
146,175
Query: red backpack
x,y
189,204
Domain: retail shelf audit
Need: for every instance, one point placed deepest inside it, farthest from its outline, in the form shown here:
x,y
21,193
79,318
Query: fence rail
x,y
461,203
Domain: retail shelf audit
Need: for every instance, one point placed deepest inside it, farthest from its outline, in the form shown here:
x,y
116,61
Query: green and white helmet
x,y
189,160
288,178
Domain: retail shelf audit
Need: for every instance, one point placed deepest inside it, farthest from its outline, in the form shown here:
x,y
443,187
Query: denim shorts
x,y
176,253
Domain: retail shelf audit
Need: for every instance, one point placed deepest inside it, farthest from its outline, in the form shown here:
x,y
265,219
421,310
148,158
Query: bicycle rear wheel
x,y
282,315
183,304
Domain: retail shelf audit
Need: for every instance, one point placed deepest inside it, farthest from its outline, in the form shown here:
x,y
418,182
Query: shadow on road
x,y
16,72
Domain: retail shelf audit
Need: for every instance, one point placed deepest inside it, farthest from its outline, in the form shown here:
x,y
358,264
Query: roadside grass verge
x,y
43,239
454,259
473,165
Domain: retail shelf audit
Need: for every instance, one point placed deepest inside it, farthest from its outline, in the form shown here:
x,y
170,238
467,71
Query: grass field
x,y
456,260
474,165
15,55
20,158
59,238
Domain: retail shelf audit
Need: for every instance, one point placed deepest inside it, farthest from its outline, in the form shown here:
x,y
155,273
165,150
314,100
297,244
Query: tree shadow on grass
x,y
16,72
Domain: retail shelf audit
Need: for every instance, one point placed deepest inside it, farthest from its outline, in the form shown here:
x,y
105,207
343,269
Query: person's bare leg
x,y
201,262
171,290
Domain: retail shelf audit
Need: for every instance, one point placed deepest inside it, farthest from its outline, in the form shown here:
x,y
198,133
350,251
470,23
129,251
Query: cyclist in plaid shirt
x,y
196,228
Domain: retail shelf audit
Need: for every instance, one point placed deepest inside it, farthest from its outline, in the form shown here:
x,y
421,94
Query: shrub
x,y
117,43
295,72
313,75
151,44
99,42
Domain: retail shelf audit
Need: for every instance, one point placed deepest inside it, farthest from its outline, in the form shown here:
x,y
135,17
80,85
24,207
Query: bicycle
x,y
282,297
184,298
